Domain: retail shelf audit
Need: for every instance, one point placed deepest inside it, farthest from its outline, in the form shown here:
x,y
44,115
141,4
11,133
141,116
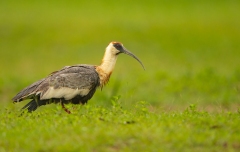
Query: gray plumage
x,y
73,84
74,77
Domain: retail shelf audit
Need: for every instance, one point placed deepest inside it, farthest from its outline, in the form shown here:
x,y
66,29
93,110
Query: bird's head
x,y
116,48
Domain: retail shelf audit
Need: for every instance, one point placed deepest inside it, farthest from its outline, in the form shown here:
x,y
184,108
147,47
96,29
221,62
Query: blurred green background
x,y
190,49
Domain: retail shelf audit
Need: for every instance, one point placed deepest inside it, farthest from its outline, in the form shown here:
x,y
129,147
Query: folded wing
x,y
65,83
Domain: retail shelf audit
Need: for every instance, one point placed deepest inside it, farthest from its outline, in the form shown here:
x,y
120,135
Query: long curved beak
x,y
125,51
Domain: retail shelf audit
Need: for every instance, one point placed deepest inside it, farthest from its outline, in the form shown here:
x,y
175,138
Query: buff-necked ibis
x,y
72,84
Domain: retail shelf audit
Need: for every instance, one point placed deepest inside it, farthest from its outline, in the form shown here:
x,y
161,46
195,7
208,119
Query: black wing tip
x,y
14,99
22,96
17,99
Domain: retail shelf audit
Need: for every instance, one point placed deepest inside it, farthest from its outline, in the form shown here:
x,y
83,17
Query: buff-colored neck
x,y
106,67
108,62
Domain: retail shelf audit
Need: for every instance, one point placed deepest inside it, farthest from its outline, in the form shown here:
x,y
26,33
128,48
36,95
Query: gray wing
x,y
27,92
65,83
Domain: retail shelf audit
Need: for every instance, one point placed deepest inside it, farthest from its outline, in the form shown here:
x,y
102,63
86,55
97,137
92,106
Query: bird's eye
x,y
117,46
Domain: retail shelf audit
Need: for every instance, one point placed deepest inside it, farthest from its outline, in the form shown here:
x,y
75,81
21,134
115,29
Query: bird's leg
x,y
64,108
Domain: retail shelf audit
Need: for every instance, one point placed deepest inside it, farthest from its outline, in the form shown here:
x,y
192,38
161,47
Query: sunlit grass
x,y
114,128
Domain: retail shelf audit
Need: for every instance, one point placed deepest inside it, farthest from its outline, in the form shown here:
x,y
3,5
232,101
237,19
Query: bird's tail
x,y
33,105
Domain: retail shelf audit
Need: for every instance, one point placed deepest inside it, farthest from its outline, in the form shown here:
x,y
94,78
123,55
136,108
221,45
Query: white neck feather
x,y
108,63
109,60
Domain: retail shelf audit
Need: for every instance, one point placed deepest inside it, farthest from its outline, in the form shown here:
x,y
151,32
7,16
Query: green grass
x,y
97,128
187,99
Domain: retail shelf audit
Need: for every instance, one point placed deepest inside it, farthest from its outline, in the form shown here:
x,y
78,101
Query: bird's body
x,y
72,84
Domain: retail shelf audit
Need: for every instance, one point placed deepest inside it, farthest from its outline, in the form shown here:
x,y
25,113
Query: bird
x,y
73,84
